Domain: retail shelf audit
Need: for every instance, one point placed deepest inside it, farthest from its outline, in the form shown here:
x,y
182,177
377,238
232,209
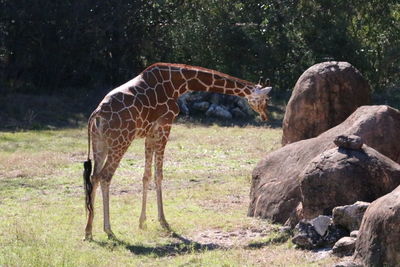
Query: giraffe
x,y
145,107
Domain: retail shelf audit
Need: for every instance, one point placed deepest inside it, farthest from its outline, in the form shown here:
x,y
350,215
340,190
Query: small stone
x,y
237,113
215,99
303,241
306,236
349,141
354,234
183,106
344,246
321,224
218,111
285,229
201,106
348,263
244,106
334,233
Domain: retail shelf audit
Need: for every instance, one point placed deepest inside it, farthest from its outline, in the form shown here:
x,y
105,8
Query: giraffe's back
x,y
133,109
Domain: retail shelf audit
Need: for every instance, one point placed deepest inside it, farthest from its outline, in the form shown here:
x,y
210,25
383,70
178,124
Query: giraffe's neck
x,y
178,79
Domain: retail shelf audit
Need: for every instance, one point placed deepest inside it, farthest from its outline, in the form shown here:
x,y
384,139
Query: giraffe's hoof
x,y
142,222
142,226
111,236
88,237
166,226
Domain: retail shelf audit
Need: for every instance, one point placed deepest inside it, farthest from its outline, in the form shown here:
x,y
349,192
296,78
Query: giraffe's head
x,y
258,100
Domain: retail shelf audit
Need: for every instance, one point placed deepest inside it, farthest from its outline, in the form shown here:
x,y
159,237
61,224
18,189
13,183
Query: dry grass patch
x,y
30,165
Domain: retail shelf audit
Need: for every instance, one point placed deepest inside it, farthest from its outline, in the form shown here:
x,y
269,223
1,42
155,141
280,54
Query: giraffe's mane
x,y
197,68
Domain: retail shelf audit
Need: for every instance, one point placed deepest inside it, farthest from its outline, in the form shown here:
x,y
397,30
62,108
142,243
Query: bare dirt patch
x,y
241,237
224,239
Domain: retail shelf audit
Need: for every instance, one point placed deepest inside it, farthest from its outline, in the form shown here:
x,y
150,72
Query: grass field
x,y
206,191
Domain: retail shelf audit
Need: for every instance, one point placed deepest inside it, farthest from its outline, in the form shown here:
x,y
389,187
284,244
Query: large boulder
x,y
342,176
324,96
275,189
378,242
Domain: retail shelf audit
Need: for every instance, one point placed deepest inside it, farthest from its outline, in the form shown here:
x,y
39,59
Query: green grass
x,y
207,179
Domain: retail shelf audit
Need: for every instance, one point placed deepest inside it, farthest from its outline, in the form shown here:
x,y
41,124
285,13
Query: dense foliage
x,y
47,46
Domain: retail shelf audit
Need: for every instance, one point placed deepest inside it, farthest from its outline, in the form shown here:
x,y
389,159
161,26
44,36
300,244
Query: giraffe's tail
x,y
87,165
87,170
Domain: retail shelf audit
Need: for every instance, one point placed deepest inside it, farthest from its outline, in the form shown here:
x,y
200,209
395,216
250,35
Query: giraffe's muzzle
x,y
264,116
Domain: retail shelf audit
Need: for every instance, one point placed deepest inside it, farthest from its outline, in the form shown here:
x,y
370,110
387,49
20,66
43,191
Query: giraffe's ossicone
x,y
145,107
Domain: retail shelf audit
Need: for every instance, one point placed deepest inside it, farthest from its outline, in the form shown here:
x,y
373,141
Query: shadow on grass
x,y
172,249
280,238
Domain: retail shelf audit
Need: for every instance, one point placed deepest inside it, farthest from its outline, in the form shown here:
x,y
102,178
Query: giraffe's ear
x,y
265,90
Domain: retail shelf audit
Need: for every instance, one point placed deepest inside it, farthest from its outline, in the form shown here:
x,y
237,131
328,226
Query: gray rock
x,y
350,216
215,99
321,224
306,236
201,106
348,263
348,141
244,106
344,246
237,113
183,104
197,96
219,112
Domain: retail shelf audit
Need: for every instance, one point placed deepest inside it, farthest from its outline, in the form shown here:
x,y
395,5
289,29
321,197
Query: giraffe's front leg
x,y
146,181
149,154
159,158
159,178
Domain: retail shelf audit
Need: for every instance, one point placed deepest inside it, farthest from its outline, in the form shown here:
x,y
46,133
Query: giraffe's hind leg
x,y
113,159
99,155
89,224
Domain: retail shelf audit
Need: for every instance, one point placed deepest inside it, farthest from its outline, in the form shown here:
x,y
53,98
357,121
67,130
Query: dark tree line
x,y
49,46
